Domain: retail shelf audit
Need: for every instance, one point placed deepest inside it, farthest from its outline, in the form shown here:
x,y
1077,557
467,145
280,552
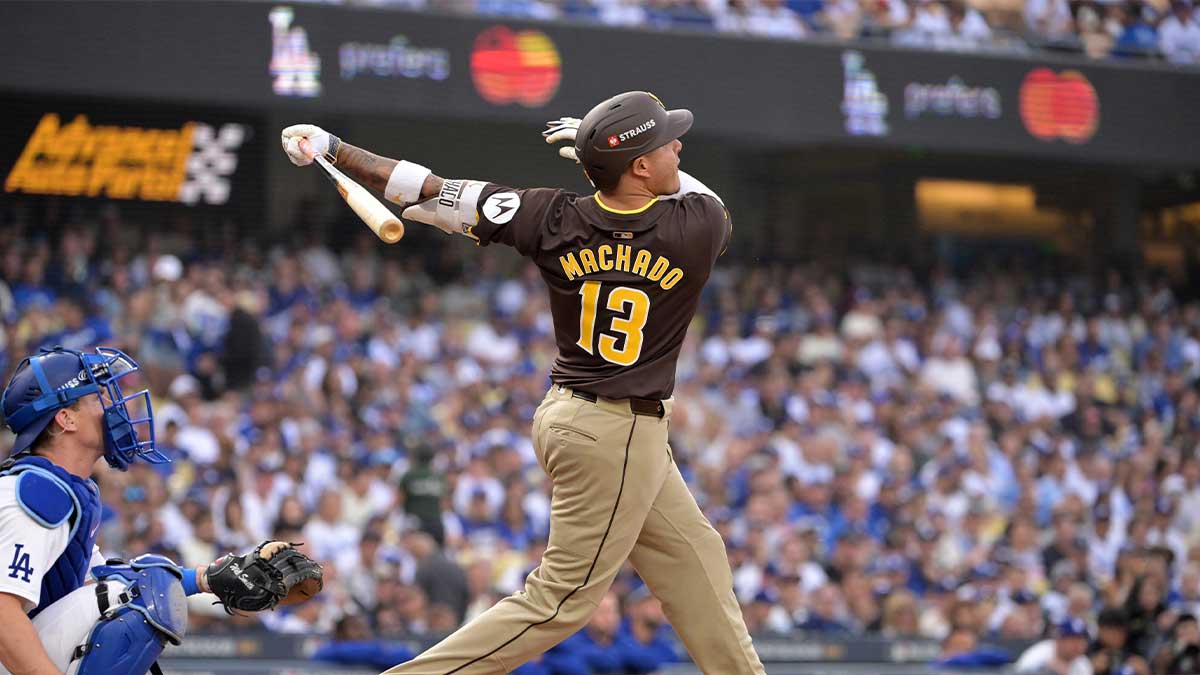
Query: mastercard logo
x,y
1059,106
521,67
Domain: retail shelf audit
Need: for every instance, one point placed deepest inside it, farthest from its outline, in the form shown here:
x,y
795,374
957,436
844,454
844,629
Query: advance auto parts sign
x,y
192,162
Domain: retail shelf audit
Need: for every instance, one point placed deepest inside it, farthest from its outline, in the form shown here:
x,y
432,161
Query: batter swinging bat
x,y
378,217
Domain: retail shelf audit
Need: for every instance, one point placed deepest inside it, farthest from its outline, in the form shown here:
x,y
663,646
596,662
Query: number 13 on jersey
x,y
630,302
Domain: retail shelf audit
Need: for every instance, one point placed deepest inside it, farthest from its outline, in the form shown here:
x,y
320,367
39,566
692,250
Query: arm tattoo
x,y
374,171
365,167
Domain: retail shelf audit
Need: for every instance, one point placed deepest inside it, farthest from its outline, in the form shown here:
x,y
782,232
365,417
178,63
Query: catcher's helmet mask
x,y
623,128
57,377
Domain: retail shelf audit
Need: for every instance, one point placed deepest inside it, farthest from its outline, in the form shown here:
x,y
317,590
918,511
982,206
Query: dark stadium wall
x,y
764,93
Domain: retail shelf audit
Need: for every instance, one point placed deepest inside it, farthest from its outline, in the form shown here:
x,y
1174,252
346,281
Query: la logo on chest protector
x,y
501,207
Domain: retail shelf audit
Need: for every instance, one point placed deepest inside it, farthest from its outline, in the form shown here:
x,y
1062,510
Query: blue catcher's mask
x,y
55,378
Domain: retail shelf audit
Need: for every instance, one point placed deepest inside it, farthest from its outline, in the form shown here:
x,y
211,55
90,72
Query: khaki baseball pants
x,y
617,495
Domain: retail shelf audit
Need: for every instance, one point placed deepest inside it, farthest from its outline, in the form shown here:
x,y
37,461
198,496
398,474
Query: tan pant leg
x,y
602,490
682,559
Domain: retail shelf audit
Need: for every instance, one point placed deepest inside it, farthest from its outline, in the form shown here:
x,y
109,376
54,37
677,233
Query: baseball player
x,y
625,268
67,410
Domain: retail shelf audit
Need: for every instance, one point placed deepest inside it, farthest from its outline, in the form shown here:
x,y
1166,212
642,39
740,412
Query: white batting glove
x,y
563,129
319,140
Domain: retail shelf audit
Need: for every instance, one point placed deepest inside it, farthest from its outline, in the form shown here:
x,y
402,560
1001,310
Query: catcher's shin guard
x,y
131,635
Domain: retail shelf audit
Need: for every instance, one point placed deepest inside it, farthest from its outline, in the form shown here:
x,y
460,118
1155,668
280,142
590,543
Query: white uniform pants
x,y
67,623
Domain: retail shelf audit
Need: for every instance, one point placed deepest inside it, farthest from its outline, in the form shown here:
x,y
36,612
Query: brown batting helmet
x,y
623,128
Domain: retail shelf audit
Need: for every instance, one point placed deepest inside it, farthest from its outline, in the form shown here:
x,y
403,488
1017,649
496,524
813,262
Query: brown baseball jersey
x,y
624,285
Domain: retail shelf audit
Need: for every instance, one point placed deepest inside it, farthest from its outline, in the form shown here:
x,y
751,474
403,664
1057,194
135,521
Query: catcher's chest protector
x,y
52,496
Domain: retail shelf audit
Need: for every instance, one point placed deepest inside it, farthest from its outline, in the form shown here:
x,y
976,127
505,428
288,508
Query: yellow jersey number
x,y
631,302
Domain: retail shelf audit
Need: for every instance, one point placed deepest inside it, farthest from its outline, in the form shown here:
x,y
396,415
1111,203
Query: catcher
x,y
67,411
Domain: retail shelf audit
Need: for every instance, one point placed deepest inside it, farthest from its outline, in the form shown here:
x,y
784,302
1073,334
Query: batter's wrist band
x,y
405,183
190,585
335,144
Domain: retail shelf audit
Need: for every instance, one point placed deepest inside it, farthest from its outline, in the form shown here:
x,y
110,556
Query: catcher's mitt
x,y
273,574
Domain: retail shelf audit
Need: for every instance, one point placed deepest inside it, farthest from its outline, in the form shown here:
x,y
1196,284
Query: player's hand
x,y
563,129
318,139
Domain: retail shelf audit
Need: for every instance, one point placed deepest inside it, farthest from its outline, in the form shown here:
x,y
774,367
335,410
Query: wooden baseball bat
x,y
378,217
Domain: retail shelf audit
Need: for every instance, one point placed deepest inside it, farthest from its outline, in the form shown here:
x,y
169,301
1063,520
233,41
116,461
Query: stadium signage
x,y
521,66
295,69
952,99
1059,106
192,163
253,649
397,58
864,106
517,73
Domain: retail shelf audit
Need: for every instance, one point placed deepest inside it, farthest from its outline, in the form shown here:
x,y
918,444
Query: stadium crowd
x,y
1122,29
886,449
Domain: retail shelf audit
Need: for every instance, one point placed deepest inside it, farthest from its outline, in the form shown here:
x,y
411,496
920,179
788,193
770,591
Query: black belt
x,y
638,406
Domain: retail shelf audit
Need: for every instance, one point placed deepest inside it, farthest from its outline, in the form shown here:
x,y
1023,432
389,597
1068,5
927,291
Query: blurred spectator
x,y
352,645
328,535
961,649
647,634
1097,28
1111,654
442,581
949,371
595,648
1095,34
606,645
772,18
1137,36
1179,34
80,327
768,18
826,612
622,12
945,25
1180,653
1064,654
525,9
1049,19
422,491
900,616
885,448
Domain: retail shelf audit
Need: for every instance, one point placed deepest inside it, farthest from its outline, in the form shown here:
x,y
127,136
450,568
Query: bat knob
x,y
392,231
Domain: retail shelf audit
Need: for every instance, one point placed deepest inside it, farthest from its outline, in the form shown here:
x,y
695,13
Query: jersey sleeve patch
x,y
501,207
44,499
516,218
